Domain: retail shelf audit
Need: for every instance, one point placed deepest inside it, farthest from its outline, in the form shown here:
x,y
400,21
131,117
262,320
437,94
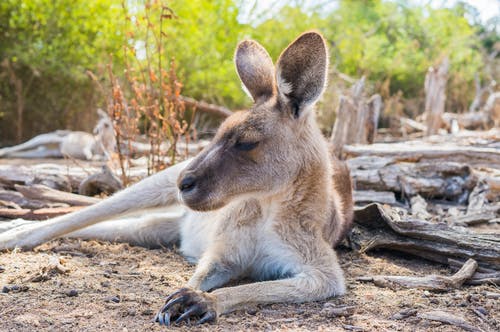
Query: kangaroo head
x,y
262,150
104,132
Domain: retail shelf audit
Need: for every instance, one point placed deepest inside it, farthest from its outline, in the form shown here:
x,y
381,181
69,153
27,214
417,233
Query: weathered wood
x,y
341,126
435,96
420,151
449,318
431,282
476,120
42,192
103,182
330,310
375,105
410,125
430,180
492,108
205,107
18,199
357,118
472,219
371,196
40,214
378,227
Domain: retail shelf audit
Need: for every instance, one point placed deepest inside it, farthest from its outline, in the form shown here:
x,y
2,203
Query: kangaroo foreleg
x,y
310,285
155,191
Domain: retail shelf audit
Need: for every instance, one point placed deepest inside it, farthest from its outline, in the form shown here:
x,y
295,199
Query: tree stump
x,y
357,119
435,96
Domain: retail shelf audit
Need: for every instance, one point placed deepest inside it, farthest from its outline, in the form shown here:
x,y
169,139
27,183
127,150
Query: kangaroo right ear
x,y
301,72
102,114
256,69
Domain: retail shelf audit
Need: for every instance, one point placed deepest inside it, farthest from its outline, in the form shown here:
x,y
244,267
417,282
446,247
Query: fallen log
x,y
431,282
41,192
18,199
40,214
379,227
420,151
446,180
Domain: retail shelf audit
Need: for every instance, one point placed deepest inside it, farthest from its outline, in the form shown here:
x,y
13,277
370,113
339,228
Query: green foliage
x,y
45,49
50,44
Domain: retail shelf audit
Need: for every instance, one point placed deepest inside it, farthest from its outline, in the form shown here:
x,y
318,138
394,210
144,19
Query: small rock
x,y
473,298
147,312
72,293
482,310
404,314
427,293
17,288
252,311
114,299
492,295
2,269
5,289
434,301
105,284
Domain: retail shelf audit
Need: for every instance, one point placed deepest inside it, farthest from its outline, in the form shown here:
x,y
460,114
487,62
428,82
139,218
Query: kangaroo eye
x,y
245,146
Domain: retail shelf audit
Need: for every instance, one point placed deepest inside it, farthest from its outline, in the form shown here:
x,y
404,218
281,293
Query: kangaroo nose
x,y
187,184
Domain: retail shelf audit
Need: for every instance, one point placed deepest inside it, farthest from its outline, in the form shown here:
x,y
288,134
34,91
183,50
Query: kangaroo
x,y
264,200
73,144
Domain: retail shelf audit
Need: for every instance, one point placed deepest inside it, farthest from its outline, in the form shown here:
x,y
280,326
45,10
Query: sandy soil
x,y
116,287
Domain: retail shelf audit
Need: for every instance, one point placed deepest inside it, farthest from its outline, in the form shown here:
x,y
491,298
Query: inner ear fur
x,y
301,71
256,69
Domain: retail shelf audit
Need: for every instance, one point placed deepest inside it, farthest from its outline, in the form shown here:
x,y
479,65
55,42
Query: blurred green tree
x,y
45,48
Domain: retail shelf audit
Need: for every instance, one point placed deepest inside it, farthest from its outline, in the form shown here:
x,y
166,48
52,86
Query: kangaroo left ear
x,y
301,72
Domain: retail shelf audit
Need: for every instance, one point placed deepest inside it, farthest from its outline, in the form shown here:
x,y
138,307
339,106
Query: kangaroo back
x,y
342,215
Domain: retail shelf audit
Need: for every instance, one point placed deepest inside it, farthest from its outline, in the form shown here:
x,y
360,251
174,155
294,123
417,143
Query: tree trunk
x,y
357,119
435,96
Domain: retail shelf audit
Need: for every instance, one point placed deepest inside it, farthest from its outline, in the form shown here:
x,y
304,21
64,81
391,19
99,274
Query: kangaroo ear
x,y
102,114
256,69
301,72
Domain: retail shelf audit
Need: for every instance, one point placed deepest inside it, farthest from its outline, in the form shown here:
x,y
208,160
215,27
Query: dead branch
x,y
448,318
431,282
42,192
40,214
216,110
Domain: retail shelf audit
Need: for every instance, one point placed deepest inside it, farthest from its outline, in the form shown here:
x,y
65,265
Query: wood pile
x,y
438,199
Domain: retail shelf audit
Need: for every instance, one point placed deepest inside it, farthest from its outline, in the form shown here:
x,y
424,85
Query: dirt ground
x,y
115,287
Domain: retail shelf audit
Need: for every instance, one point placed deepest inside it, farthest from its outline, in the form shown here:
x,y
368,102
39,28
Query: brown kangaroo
x,y
264,200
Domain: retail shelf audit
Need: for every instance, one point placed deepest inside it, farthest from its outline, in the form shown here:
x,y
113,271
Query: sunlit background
x,y
58,57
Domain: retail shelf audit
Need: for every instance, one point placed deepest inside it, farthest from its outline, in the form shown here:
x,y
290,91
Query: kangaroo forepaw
x,y
185,304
